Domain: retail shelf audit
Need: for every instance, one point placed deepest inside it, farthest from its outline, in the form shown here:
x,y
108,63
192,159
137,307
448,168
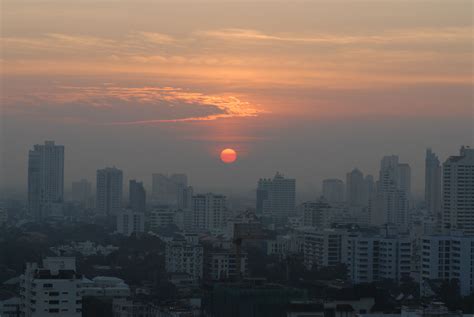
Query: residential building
x,y
209,212
276,198
109,191
130,222
45,179
52,289
185,255
458,192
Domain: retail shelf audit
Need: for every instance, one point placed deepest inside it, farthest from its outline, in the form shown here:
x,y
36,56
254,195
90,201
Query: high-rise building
x,y
433,183
280,198
82,192
333,190
137,196
130,222
391,202
210,212
52,289
359,189
166,189
185,255
45,179
458,192
109,191
185,197
449,257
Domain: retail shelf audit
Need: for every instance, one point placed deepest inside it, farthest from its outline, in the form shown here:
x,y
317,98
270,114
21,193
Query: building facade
x,y
109,191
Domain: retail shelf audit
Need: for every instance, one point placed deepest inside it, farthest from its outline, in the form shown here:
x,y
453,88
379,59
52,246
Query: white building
x,y
185,255
449,257
276,198
45,179
458,192
391,202
372,258
51,289
209,212
323,247
333,190
109,191
129,222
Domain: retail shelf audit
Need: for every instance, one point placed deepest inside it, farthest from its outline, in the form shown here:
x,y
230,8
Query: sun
x,y
228,156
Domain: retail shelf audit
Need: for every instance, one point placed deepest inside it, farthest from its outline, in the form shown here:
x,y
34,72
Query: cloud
x,y
114,105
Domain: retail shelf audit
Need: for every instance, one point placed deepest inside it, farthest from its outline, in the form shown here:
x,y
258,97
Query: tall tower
x,y
109,191
276,198
45,178
432,183
458,192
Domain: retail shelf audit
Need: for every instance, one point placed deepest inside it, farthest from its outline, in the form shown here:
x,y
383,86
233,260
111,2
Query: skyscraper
x,y
391,202
333,190
109,191
166,189
276,197
137,196
432,183
210,212
458,192
45,178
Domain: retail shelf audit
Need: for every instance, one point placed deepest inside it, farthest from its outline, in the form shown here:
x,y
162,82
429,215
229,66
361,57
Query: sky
x,y
308,88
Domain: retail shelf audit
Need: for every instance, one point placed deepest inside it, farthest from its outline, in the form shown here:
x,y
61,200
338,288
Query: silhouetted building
x,y
109,191
458,191
137,196
45,179
432,183
280,198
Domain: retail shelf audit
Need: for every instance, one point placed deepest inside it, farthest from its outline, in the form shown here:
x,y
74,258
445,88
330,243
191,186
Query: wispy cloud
x,y
155,104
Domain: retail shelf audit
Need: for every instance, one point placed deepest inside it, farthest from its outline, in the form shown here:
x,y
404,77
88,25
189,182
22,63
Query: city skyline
x,y
345,82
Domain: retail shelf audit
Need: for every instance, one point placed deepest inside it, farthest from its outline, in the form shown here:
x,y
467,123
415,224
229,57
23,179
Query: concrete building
x,y
209,212
372,258
109,191
391,203
448,257
433,183
81,192
137,196
316,213
458,192
221,265
45,179
130,222
52,289
166,189
185,255
276,198
333,190
323,247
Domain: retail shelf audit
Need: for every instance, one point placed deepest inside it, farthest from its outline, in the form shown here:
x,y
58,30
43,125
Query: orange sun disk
x,y
228,156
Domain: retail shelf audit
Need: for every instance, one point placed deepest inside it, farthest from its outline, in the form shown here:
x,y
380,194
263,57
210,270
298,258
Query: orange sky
x,y
224,71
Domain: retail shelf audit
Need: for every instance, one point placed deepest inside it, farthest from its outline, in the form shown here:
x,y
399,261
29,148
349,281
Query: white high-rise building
x,y
449,257
433,184
276,198
209,212
185,255
52,289
45,179
390,205
109,191
458,192
130,222
333,190
372,258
